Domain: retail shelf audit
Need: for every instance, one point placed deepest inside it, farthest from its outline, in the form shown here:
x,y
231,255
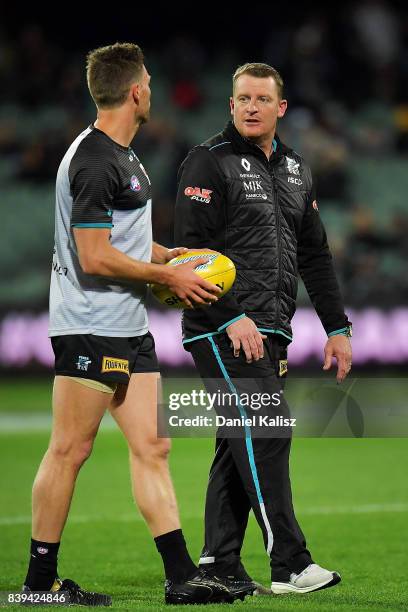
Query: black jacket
x,y
264,216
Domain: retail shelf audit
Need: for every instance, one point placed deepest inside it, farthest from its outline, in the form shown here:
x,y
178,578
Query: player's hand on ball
x,y
339,347
244,334
171,253
191,288
203,276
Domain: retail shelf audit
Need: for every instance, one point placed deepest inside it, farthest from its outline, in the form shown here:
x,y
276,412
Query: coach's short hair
x,y
111,70
261,71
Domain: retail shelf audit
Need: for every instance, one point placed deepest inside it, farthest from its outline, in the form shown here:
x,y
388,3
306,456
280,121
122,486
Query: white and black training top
x,y
99,184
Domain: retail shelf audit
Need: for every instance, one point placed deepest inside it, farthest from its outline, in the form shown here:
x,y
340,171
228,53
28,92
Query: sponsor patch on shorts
x,y
113,364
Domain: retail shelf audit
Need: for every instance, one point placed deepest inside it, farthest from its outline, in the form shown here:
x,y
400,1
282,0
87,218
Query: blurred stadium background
x,y
346,80
346,77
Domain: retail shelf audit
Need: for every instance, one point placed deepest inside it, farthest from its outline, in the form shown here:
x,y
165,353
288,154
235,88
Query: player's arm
x,y
316,269
98,257
93,188
200,224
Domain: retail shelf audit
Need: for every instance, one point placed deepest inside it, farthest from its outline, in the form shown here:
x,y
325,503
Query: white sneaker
x,y
312,578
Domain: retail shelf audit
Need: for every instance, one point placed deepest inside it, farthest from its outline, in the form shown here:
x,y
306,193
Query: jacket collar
x,y
243,145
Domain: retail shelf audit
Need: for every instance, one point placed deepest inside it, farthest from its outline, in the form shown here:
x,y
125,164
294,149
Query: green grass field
x,y
351,498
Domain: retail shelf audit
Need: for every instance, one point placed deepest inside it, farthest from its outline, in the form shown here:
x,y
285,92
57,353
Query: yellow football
x,y
219,270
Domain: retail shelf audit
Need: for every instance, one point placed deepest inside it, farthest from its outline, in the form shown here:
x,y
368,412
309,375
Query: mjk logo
x,y
253,186
245,164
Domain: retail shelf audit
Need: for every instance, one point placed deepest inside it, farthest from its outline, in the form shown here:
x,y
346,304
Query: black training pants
x,y
251,469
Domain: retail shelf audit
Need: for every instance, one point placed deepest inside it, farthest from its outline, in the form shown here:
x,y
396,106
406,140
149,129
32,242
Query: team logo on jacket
x,y
199,194
245,164
292,166
134,183
113,364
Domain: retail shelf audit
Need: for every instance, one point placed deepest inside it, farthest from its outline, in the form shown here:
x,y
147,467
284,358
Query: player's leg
x,y
226,513
227,504
77,412
262,459
263,463
226,516
135,409
262,456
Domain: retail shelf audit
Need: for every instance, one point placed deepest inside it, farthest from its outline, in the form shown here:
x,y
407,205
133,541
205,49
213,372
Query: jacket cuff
x,y
223,313
230,322
344,331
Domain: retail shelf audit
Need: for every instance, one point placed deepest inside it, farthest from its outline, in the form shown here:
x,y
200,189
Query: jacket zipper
x,y
279,243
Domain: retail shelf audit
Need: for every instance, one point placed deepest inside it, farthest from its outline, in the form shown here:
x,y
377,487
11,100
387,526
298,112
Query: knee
x,y
153,451
71,452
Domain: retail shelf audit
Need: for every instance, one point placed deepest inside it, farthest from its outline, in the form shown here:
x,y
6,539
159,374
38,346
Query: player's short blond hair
x,y
260,71
111,70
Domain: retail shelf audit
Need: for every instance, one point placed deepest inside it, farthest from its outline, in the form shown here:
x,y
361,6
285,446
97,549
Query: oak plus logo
x,y
199,194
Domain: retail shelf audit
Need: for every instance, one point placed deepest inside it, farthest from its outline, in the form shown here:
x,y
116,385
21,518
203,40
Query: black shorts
x,y
103,358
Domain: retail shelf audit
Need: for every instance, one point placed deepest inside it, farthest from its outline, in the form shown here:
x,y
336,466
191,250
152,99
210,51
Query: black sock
x,y
42,569
178,565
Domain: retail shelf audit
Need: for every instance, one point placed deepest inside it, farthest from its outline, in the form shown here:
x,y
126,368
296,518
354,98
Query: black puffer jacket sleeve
x,y
316,269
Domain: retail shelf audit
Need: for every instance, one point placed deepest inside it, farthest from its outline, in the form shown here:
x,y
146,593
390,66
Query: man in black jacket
x,y
246,194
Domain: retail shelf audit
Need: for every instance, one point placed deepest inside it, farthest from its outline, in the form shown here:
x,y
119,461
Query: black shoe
x,y
76,595
200,589
239,586
238,574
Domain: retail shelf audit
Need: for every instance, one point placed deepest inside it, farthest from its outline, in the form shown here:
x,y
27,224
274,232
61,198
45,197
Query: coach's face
x,y
256,107
142,97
